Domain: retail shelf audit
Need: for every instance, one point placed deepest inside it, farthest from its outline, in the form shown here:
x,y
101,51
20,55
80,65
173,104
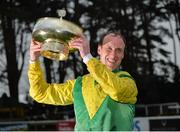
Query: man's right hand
x,y
35,49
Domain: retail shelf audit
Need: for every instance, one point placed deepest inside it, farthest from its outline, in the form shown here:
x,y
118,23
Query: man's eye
x,y
119,50
109,49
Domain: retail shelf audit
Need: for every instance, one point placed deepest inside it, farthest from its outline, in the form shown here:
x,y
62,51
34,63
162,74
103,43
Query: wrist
x,y
33,61
87,57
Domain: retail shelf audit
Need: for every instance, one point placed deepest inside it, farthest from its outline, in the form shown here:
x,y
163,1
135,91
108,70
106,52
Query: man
x,y
103,99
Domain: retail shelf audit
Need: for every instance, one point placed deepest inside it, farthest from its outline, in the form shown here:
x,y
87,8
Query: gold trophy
x,y
54,34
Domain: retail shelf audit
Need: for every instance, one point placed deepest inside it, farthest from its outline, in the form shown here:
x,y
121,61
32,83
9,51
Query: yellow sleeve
x,y
121,89
42,92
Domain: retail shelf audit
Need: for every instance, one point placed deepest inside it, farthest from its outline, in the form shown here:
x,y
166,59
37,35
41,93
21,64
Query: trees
x,y
15,22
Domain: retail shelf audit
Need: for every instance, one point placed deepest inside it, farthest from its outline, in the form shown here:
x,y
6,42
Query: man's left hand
x,y
82,44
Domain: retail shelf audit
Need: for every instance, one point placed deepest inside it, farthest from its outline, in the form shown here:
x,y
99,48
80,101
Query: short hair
x,y
114,33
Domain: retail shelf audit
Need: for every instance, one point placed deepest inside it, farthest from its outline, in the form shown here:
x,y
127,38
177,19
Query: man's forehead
x,y
111,37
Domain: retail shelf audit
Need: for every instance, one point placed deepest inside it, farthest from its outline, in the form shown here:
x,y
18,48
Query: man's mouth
x,y
110,61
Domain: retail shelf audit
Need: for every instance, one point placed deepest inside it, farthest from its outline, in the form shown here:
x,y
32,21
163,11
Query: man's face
x,y
112,51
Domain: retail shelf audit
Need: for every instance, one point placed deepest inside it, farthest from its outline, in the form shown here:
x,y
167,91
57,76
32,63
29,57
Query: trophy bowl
x,y
54,34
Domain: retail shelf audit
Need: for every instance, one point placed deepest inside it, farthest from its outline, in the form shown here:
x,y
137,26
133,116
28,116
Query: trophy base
x,y
54,56
53,49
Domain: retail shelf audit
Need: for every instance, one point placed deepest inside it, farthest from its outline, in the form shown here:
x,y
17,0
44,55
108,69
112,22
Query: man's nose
x,y
113,54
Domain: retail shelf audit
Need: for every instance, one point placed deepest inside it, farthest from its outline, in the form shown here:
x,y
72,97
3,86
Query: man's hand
x,y
81,43
35,49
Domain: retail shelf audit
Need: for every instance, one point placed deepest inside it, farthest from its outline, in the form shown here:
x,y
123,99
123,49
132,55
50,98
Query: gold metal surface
x,y
54,34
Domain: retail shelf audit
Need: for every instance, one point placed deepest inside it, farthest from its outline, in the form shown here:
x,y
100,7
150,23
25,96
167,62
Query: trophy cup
x,y
54,34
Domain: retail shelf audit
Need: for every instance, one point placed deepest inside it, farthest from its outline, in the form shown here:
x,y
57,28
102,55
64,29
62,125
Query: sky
x,y
169,47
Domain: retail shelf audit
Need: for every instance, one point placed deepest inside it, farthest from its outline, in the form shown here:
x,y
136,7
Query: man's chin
x,y
110,67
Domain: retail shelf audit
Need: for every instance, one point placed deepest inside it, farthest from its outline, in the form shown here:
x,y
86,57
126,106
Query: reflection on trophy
x,y
54,34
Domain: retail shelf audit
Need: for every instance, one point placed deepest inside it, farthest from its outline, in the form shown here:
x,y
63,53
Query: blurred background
x,y
152,32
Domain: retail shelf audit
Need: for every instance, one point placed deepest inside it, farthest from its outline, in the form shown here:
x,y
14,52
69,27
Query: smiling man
x,y
103,99
111,50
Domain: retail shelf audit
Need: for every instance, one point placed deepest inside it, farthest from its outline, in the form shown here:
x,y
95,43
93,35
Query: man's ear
x,y
123,56
98,49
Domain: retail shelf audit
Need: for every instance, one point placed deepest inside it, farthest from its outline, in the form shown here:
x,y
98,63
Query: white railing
x,y
158,109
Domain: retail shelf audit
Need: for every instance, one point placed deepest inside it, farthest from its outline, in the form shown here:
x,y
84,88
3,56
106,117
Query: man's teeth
x,y
111,61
